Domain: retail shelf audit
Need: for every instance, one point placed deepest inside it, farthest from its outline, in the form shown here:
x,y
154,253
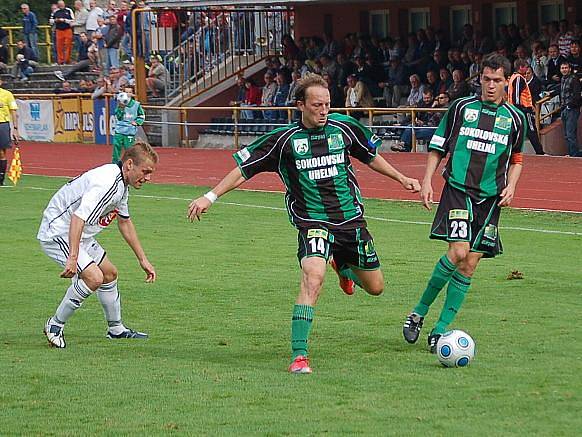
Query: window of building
x,y
380,23
504,13
459,16
550,10
418,18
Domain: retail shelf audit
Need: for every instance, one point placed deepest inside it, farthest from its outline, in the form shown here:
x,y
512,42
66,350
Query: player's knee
x,y
375,289
458,254
110,275
312,282
93,277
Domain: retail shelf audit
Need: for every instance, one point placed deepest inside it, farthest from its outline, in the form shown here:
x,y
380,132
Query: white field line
x,y
380,219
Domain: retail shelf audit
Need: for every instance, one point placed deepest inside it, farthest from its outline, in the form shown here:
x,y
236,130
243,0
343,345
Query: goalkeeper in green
x,y
128,116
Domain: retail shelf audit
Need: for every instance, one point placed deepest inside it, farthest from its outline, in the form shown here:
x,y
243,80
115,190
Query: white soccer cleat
x,y
54,334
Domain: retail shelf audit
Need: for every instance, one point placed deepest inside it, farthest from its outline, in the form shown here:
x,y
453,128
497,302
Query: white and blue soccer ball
x,y
123,98
455,348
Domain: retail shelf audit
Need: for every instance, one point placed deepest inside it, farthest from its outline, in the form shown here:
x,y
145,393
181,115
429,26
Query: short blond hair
x,y
139,152
310,80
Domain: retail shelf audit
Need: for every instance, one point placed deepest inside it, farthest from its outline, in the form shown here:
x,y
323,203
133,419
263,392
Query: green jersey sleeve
x,y
363,144
260,156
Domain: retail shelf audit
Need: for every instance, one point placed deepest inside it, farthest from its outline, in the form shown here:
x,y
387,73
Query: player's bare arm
x,y
380,165
15,136
426,192
127,230
202,204
512,178
75,232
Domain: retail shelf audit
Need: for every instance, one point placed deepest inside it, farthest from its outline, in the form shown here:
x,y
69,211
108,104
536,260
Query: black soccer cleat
x,y
433,339
128,333
412,327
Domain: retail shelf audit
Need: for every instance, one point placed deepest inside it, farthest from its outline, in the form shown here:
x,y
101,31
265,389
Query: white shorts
x,y
90,251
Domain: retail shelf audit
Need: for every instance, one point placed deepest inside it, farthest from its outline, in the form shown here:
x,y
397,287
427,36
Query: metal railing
x,y
217,45
45,42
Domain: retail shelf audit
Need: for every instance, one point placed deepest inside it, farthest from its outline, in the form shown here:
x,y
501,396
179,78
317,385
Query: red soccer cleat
x,y
300,365
346,284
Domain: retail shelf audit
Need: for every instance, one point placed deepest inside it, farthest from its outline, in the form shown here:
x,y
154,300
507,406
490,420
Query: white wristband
x,y
211,196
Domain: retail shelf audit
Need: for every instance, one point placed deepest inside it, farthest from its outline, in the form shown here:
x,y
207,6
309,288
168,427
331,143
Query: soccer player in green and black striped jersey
x,y
313,159
483,137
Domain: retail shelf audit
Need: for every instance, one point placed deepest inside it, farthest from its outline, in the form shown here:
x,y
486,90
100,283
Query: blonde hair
x,y
310,80
139,152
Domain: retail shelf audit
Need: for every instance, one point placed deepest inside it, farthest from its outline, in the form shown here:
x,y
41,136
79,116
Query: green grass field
x,y
219,325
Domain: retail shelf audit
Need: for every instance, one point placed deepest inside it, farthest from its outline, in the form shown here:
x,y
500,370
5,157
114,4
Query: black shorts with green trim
x,y
462,218
353,247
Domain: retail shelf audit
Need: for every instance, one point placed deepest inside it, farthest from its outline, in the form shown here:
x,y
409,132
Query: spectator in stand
x,y
268,92
539,60
86,86
437,62
459,88
30,28
298,65
280,97
54,56
157,76
118,79
425,122
122,17
335,94
102,86
146,21
358,96
416,91
65,88
291,100
290,49
396,85
111,10
111,44
564,38
99,39
240,90
79,23
85,63
432,82
575,59
571,101
519,95
329,66
515,39
22,68
345,68
26,61
535,85
446,80
252,99
330,47
94,13
554,70
63,19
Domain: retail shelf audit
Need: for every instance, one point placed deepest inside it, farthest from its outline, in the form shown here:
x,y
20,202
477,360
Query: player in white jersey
x,y
74,216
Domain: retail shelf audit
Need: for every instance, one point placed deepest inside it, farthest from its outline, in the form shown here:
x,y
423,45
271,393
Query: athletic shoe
x,y
346,284
54,334
59,74
432,342
300,365
412,327
128,333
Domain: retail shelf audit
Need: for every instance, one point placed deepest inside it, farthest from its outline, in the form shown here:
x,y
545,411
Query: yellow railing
x,y
15,34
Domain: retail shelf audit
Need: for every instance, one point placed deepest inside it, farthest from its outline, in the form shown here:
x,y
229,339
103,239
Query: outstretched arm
x,y
426,192
129,234
202,204
380,165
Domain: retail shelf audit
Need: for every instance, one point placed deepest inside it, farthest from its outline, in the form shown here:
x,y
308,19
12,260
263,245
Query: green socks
x,y
456,291
300,326
347,272
442,273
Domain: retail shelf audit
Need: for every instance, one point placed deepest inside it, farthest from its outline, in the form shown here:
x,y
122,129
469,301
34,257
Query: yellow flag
x,y
15,167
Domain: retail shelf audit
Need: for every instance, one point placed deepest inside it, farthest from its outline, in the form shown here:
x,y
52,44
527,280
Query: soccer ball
x,y
123,98
455,349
